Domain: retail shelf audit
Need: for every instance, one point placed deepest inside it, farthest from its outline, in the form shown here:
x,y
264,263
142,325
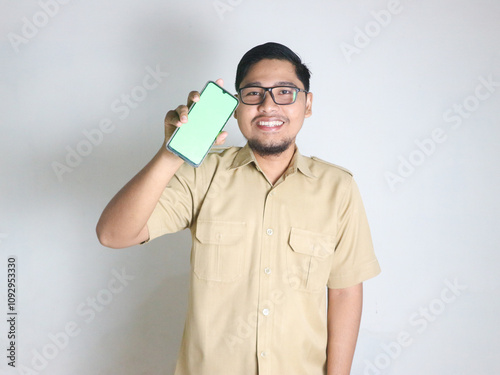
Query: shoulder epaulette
x,y
331,164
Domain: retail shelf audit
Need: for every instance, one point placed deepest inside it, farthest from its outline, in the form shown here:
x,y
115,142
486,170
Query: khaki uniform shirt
x,y
261,260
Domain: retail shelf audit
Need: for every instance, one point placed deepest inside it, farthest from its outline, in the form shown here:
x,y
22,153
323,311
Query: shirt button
x,y
265,312
263,354
269,232
267,271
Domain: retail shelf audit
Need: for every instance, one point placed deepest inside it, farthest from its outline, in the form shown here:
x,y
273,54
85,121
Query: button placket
x,y
268,249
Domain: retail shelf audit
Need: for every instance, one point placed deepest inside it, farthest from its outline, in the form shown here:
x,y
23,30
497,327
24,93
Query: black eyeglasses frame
x,y
270,90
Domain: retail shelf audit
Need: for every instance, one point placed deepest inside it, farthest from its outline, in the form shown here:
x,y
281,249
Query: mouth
x,y
270,124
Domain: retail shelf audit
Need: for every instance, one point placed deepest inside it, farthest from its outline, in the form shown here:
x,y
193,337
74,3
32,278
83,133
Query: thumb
x,y
220,82
221,138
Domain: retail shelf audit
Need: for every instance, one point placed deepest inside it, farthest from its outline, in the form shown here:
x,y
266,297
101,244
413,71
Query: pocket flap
x,y
220,232
311,243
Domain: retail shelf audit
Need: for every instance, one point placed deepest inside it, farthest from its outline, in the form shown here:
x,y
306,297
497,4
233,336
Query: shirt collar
x,y
245,156
302,165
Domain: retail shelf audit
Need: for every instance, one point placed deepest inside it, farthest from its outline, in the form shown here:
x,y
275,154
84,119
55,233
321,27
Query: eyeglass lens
x,y
256,95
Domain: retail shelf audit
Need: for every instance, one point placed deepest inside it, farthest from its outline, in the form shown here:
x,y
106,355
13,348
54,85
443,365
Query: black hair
x,y
276,51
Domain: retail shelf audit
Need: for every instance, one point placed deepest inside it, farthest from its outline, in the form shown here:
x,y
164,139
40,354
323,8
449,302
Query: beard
x,y
271,149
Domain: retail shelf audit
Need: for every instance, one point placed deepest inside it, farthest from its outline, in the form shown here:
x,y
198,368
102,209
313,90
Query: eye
x,y
285,91
252,91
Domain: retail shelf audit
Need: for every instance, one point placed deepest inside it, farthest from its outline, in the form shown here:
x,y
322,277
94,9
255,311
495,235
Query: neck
x,y
274,166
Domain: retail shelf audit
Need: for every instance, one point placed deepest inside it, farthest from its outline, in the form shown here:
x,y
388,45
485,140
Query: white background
x,y
376,97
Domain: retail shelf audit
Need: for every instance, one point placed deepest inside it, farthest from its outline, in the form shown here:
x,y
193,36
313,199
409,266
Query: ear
x,y
309,100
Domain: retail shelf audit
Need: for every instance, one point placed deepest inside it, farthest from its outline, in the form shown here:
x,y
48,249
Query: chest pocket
x,y
219,250
309,260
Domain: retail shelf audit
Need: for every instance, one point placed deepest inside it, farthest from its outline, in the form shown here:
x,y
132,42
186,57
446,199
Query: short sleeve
x,y
354,259
174,210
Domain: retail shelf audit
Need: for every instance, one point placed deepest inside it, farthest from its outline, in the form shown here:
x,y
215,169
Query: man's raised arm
x,y
123,222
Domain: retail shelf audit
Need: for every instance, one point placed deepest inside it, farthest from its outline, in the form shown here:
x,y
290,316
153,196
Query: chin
x,y
269,149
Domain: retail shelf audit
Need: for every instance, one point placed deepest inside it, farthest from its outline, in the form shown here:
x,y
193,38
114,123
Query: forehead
x,y
273,72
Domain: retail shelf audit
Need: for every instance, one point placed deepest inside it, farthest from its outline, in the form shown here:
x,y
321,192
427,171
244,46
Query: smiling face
x,y
270,128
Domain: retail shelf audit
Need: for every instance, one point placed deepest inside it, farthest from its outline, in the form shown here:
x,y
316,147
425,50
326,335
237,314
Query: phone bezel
x,y
178,153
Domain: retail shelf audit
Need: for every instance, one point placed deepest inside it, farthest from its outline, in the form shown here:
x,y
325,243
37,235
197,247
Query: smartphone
x,y
206,118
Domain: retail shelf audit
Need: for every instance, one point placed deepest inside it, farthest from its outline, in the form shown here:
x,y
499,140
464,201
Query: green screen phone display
x,y
206,118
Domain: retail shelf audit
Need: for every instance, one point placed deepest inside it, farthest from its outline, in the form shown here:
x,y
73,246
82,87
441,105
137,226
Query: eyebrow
x,y
280,83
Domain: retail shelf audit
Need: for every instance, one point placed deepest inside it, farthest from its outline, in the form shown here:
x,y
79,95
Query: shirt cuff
x,y
363,273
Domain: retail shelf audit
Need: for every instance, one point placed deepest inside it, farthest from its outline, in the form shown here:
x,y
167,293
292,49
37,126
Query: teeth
x,y
270,123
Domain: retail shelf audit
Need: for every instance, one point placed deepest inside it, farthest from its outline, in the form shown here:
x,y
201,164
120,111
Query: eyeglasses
x,y
282,95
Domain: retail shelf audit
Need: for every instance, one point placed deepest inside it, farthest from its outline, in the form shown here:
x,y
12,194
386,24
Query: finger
x,y
220,82
193,97
221,138
182,114
172,118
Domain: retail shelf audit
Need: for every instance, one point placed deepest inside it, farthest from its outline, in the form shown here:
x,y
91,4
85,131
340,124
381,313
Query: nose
x,y
268,105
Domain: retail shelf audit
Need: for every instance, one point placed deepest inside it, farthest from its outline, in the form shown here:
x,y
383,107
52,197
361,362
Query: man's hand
x,y
179,116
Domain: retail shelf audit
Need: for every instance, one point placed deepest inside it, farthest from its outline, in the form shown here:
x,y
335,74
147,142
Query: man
x,y
272,232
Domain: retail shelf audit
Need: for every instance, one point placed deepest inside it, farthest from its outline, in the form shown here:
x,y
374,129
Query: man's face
x,y
271,128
